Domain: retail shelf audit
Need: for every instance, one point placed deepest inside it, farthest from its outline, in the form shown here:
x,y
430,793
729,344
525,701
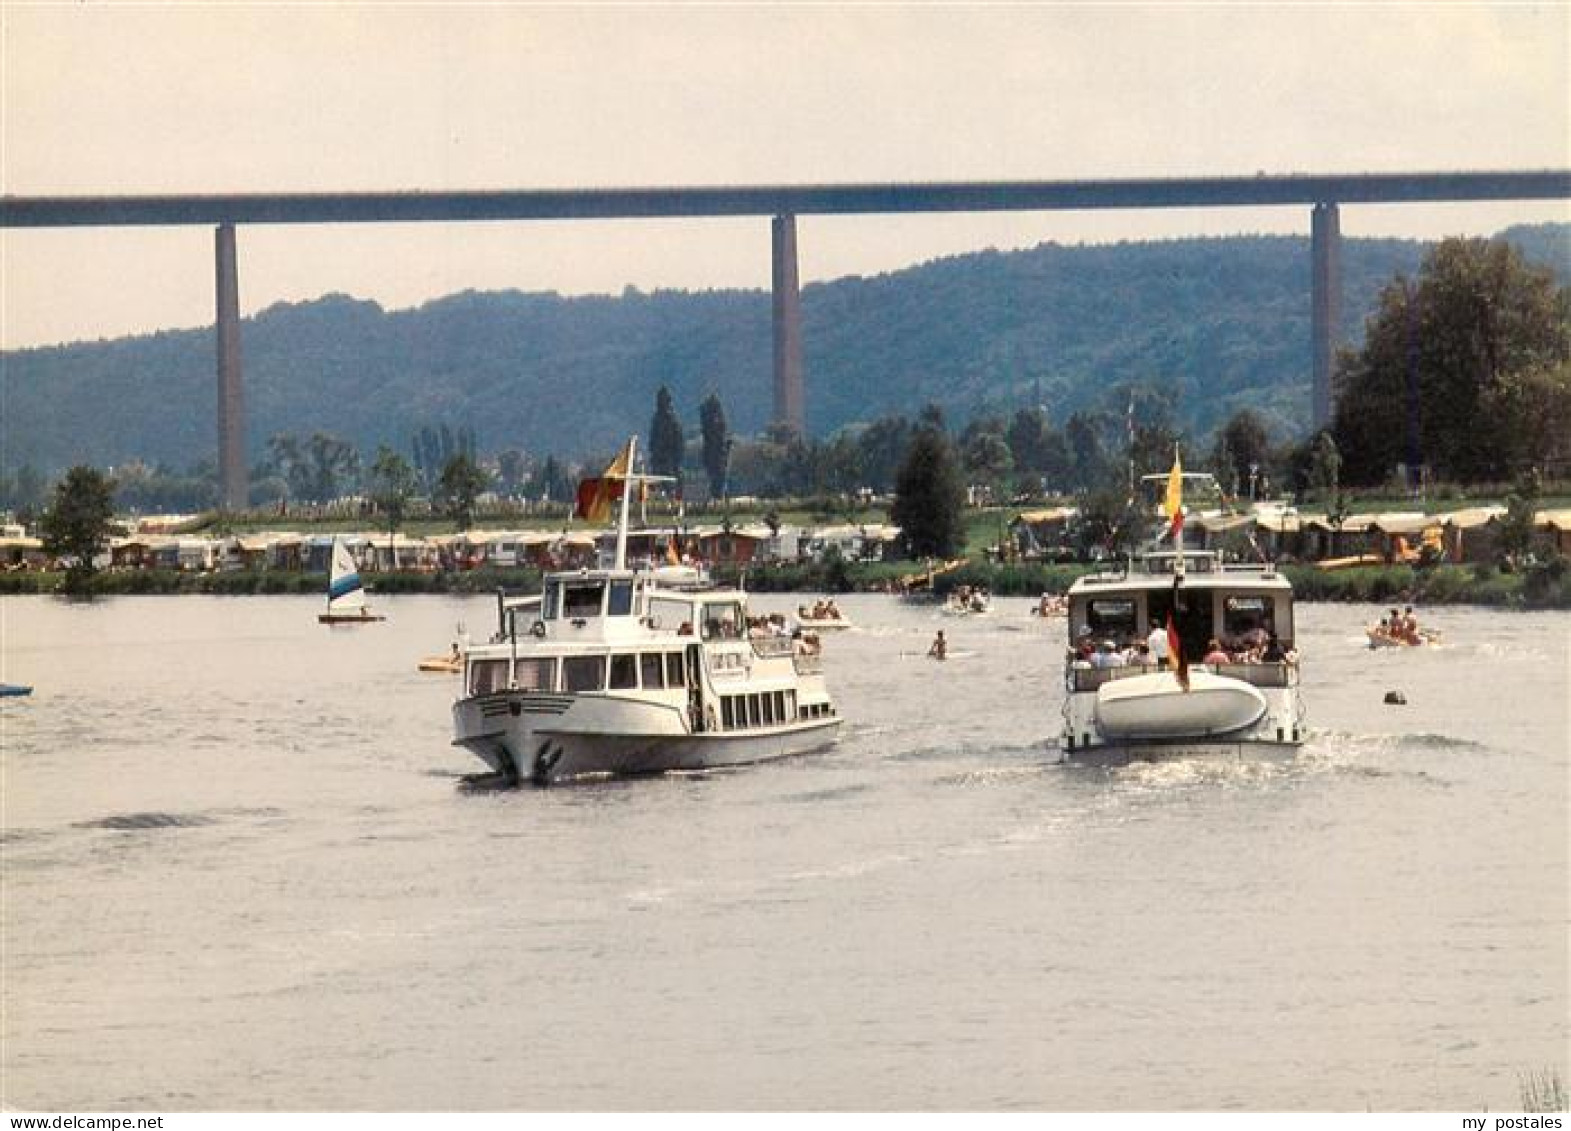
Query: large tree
x,y
882,449
666,442
929,504
77,522
460,485
1464,370
393,483
717,444
1241,452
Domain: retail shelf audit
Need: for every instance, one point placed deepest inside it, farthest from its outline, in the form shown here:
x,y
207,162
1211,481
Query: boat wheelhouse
x,y
1133,707
622,671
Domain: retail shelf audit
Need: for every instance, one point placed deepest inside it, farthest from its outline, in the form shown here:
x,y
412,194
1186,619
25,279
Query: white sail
x,y
345,595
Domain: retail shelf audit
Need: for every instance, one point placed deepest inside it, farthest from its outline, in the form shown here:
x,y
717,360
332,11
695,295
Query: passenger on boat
x,y
1108,657
1156,641
940,647
1215,653
1140,654
1085,646
1273,653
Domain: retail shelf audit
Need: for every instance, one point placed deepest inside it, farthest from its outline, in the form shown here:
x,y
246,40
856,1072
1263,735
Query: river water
x,y
240,874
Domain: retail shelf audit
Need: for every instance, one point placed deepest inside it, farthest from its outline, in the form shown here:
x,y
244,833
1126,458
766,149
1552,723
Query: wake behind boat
x,y
346,603
623,671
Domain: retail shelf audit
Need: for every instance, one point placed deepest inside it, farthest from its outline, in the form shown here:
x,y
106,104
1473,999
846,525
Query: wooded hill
x,y
1224,322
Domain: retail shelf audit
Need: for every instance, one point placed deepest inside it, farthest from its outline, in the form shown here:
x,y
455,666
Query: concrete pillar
x,y
1325,302
790,397
233,491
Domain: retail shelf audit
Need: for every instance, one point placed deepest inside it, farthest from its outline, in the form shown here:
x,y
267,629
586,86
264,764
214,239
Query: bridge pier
x,y
790,396
233,491
1325,304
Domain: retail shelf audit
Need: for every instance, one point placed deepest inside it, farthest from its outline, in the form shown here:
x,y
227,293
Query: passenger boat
x,y
620,671
346,603
1142,710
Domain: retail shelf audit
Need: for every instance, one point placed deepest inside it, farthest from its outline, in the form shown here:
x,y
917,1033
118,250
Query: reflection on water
x,y
245,870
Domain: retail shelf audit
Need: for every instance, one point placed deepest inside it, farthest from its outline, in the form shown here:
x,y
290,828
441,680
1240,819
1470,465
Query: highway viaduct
x,y
1323,195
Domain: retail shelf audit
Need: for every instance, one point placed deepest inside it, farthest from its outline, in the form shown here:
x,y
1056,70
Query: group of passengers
x,y
970,598
1399,628
823,609
767,626
1259,645
1052,605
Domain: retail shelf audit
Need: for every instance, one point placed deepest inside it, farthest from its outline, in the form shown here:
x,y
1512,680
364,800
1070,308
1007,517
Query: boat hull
x,y
547,737
349,618
1175,750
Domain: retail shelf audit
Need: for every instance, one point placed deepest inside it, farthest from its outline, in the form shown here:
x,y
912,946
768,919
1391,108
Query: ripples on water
x,y
245,869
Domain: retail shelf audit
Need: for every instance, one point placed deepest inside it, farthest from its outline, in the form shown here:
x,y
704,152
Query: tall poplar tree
x,y
929,504
666,442
717,444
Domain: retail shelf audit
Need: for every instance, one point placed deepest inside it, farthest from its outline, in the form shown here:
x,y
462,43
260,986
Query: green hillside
x,y
1224,321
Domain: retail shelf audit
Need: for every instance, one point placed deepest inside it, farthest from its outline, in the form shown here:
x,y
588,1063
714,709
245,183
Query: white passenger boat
x,y
622,671
1144,710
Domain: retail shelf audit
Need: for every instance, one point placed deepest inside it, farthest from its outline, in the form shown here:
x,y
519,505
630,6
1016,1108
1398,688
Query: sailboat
x,y
345,595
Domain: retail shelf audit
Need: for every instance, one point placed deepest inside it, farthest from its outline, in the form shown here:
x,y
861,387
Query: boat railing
x,y
772,647
1260,675
807,663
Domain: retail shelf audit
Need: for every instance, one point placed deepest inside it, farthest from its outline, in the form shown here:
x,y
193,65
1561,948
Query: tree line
x,y
1464,375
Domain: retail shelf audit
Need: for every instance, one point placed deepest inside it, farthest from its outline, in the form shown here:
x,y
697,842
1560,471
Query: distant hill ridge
x,y
1225,320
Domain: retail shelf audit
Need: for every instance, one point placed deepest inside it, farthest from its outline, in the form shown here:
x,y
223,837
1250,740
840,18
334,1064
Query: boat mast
x,y
627,491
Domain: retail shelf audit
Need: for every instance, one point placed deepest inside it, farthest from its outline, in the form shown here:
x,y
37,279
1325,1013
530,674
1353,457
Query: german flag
x,y
595,496
1175,645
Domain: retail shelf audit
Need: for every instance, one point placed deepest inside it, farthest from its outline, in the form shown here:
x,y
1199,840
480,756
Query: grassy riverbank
x,y
1545,586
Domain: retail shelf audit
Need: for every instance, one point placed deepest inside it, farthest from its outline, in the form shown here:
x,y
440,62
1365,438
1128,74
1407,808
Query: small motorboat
x,y
1427,637
14,690
451,665
1156,706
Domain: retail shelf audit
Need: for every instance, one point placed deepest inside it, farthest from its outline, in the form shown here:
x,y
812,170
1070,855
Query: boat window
x,y
790,705
550,602
650,669
583,673
581,599
621,603
728,711
1244,614
674,672
535,674
723,621
667,615
624,670
486,676
1110,618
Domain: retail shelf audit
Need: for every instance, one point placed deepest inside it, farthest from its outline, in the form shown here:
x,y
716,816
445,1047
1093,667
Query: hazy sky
x,y
166,98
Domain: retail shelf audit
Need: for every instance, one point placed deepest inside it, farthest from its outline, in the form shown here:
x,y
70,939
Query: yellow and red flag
x,y
1173,501
595,496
